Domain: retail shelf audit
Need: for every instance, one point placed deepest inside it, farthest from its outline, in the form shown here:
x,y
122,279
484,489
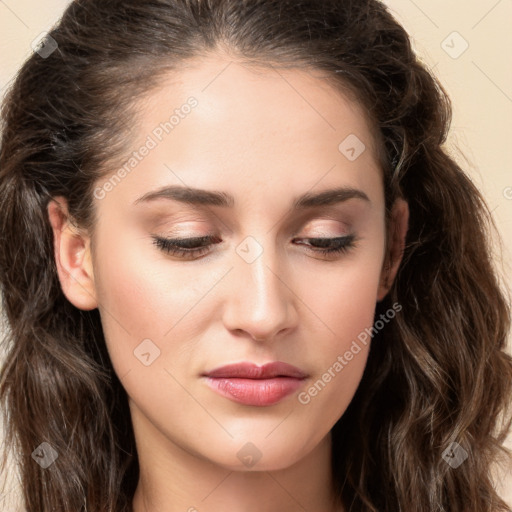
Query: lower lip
x,y
259,392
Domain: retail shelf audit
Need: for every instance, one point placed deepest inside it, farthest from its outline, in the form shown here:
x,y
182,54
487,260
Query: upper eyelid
x,y
334,212
304,224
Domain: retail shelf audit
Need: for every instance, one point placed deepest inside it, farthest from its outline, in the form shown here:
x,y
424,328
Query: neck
x,y
174,480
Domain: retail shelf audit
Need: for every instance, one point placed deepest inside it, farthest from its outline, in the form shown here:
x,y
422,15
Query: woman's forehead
x,y
243,130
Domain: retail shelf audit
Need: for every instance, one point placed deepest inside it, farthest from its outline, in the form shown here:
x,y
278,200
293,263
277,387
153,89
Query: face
x,y
281,258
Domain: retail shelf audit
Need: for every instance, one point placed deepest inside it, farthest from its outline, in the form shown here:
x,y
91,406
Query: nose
x,y
260,300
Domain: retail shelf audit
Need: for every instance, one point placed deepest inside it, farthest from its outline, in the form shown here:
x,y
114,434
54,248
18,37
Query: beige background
x,y
467,43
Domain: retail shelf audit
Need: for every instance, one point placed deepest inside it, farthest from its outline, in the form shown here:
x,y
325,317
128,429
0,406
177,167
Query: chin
x,y
260,454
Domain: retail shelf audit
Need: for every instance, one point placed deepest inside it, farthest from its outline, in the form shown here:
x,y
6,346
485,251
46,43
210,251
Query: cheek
x,y
345,308
340,356
345,296
344,302
142,296
134,302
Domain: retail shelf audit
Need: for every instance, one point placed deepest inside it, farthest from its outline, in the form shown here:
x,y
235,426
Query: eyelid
x,y
334,248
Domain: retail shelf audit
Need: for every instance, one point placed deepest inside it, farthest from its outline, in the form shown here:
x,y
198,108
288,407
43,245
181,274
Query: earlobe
x,y
72,257
397,233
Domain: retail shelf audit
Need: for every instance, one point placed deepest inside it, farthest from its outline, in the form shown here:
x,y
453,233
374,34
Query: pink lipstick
x,y
250,384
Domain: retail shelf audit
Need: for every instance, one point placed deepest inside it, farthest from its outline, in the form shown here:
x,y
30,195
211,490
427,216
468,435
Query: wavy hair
x,y
437,374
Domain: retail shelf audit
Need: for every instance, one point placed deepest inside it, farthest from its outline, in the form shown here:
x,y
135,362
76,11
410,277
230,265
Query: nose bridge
x,y
261,303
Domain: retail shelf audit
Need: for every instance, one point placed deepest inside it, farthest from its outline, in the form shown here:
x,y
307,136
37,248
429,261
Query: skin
x,y
264,136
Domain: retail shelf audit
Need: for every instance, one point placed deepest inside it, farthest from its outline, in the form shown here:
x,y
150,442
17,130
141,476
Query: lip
x,y
250,384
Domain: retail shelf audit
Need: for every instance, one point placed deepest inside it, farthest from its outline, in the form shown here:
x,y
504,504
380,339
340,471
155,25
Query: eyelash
x,y
178,246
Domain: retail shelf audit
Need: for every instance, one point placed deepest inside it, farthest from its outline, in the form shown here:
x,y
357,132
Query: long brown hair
x,y
437,374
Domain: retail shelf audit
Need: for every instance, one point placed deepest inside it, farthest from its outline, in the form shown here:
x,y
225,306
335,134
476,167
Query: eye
x,y
198,246
330,246
185,247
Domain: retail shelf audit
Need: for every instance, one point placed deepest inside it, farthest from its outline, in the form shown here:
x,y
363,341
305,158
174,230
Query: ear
x,y
72,256
399,221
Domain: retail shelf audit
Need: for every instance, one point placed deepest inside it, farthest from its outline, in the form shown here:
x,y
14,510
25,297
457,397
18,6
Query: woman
x,y
240,270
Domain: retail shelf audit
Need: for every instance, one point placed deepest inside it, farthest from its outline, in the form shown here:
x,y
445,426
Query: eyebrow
x,y
196,196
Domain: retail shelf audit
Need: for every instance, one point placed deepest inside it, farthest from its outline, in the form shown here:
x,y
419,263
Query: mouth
x,y
249,384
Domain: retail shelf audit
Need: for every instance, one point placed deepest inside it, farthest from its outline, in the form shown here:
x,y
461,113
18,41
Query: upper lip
x,y
247,370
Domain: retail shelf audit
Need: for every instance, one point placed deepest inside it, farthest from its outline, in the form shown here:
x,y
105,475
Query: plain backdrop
x,y
466,43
